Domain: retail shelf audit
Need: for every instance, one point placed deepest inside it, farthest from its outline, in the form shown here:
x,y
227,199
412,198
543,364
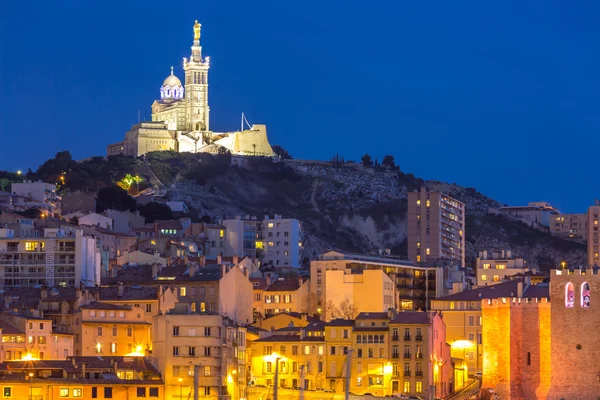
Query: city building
x,y
206,344
180,118
435,227
415,285
389,353
103,329
369,290
593,237
81,377
495,266
569,225
95,219
274,241
271,297
43,194
58,258
536,214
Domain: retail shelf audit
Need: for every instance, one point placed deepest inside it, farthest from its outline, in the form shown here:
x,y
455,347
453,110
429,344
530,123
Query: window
x,y
206,331
42,339
41,325
31,339
94,392
207,351
141,392
484,277
153,392
307,350
77,392
63,392
500,266
486,266
108,392
267,350
332,351
419,387
569,295
113,347
175,350
471,320
192,351
321,350
406,387
175,331
294,350
585,294
98,347
345,333
182,291
149,309
99,331
207,370
114,330
7,391
528,358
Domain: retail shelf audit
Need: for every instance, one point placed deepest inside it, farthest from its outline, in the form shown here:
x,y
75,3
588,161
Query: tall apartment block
x,y
59,258
593,242
274,241
436,227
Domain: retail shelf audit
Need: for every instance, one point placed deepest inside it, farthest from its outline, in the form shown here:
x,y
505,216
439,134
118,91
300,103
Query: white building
x,y
94,219
59,258
274,241
41,192
535,214
495,266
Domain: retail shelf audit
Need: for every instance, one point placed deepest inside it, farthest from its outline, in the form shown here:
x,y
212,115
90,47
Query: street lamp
x,y
276,387
180,394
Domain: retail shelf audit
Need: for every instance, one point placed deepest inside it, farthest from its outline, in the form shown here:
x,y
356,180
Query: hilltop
x,y
342,205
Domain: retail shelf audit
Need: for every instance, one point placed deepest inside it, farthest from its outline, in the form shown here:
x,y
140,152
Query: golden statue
x,y
197,31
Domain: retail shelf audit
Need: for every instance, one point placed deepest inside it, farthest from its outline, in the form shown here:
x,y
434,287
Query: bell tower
x,y
196,87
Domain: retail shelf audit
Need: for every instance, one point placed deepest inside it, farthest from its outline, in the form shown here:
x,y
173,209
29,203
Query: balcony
x,y
419,355
419,338
406,372
395,355
407,338
418,373
407,356
395,338
396,374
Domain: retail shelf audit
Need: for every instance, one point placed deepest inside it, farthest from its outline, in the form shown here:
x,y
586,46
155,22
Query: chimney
x,y
44,293
220,258
520,288
120,290
508,254
192,270
302,333
83,370
485,255
268,279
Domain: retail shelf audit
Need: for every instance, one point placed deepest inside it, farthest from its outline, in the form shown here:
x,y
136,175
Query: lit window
x,y
113,347
418,258
484,277
182,292
7,391
418,245
428,251
419,387
585,295
406,387
270,244
496,278
78,392
307,350
64,392
98,347
500,266
428,203
452,305
486,266
222,233
418,202
193,307
31,246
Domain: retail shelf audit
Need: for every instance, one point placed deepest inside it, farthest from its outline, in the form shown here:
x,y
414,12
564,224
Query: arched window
x,y
569,295
585,294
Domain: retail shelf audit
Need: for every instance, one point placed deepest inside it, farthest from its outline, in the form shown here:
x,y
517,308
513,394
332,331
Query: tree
x,y
155,211
344,310
388,161
366,160
128,181
4,184
114,198
281,152
74,220
51,170
32,213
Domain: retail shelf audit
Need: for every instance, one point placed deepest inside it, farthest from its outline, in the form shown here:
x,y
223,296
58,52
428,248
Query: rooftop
x,y
504,289
412,317
290,338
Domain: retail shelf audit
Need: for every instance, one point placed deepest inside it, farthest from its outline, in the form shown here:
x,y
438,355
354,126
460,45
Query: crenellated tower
x,y
196,86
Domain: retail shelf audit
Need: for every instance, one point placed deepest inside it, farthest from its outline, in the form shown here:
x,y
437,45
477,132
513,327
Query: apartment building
x,y
536,214
56,258
415,285
274,241
569,225
206,344
26,337
593,241
495,266
273,296
44,194
389,353
436,227
81,377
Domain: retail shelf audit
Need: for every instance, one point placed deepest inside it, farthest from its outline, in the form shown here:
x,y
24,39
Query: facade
x,y
181,118
367,290
41,192
103,329
81,377
94,219
436,227
593,237
274,241
569,225
279,295
205,343
495,266
59,258
536,214
415,285
403,353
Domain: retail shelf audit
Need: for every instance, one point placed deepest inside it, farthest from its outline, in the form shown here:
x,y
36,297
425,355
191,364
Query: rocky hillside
x,y
342,205
348,207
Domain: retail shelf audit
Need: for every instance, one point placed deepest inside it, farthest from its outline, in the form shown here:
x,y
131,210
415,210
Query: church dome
x,y
171,89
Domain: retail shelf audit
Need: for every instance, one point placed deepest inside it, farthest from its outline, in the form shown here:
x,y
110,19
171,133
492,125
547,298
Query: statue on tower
x,y
197,27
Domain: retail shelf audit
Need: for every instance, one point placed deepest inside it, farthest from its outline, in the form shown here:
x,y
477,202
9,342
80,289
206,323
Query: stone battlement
x,y
577,271
514,302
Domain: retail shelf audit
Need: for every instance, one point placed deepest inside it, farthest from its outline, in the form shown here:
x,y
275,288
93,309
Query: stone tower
x,y
196,87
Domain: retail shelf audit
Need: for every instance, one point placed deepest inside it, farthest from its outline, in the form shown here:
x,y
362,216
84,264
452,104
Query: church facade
x,y
181,118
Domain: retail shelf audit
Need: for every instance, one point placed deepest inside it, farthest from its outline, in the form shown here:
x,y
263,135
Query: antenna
x,y
246,121
242,123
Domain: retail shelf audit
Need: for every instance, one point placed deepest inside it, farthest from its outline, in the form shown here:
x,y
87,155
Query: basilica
x,y
180,118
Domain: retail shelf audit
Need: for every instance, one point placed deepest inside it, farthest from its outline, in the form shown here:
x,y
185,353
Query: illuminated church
x,y
181,118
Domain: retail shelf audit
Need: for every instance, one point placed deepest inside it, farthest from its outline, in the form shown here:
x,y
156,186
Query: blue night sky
x,y
504,95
